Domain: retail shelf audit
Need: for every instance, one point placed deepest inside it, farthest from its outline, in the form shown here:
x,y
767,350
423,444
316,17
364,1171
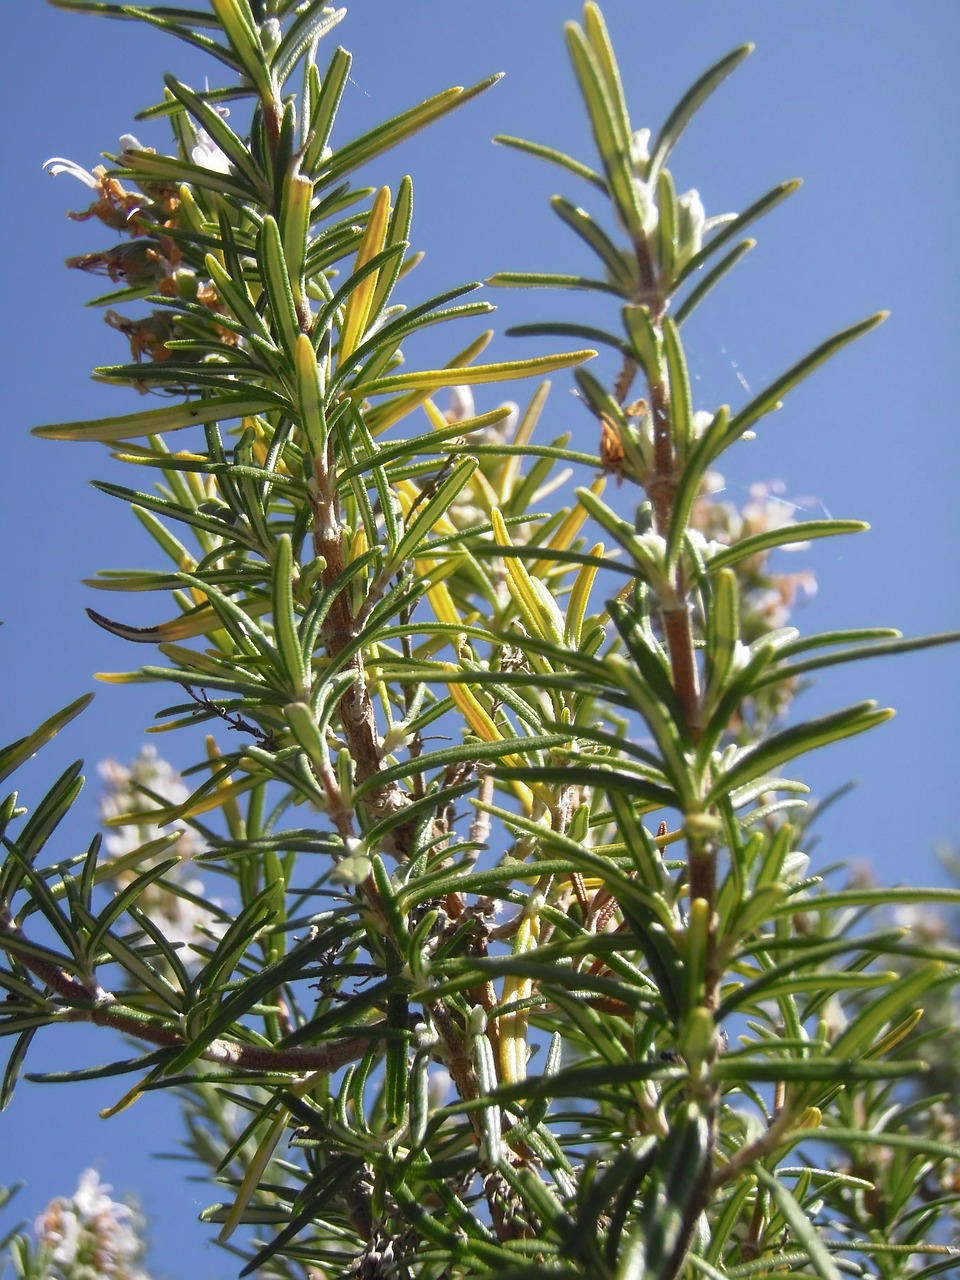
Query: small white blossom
x,y
654,545
60,164
702,419
462,407
122,796
397,738
926,928
472,505
795,867
355,867
424,1037
768,510
181,920
207,155
90,1236
708,547
771,606
740,657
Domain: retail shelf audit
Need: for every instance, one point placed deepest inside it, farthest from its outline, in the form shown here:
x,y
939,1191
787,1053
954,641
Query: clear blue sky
x,y
860,99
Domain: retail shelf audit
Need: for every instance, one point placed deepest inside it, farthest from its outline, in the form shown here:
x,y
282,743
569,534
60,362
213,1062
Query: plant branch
x,y
357,716
103,1009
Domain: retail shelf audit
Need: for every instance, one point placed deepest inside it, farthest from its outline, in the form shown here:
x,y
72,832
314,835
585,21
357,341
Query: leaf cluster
x,y
560,993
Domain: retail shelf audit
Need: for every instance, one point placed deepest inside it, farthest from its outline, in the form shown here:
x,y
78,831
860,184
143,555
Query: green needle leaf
x,y
154,422
800,1225
17,753
766,755
433,379
770,398
690,104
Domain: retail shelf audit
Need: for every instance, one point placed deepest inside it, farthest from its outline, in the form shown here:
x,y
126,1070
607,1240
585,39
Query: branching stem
x,y
104,1010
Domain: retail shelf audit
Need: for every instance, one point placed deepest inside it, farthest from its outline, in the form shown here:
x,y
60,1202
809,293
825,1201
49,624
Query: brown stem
x,y
273,123
91,1004
750,1248
358,725
764,1146
678,628
661,488
703,875
675,615
458,1061
299,1060
357,716
648,280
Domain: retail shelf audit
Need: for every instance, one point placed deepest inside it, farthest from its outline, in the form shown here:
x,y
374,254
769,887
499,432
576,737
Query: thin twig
x,y
102,1008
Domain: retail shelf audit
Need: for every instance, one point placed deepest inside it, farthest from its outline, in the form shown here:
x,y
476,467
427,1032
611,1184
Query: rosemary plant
x,y
562,993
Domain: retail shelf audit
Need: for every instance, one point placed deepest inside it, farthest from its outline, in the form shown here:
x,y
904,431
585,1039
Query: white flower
x,y
924,926
270,34
767,510
90,1236
397,737
355,866
122,796
91,1197
462,407
208,155
771,606
654,545
708,547
181,920
795,867
186,923
59,164
741,656
702,419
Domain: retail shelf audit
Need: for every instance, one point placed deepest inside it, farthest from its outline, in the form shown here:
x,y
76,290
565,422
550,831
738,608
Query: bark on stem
x,y
101,1008
357,716
299,1060
675,614
359,728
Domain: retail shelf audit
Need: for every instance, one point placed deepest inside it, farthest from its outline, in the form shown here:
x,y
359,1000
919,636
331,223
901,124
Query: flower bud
x,y
640,150
270,35
690,225
186,282
352,870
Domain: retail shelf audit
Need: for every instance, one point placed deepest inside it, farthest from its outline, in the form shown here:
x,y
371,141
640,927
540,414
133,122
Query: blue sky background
x,y
860,99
